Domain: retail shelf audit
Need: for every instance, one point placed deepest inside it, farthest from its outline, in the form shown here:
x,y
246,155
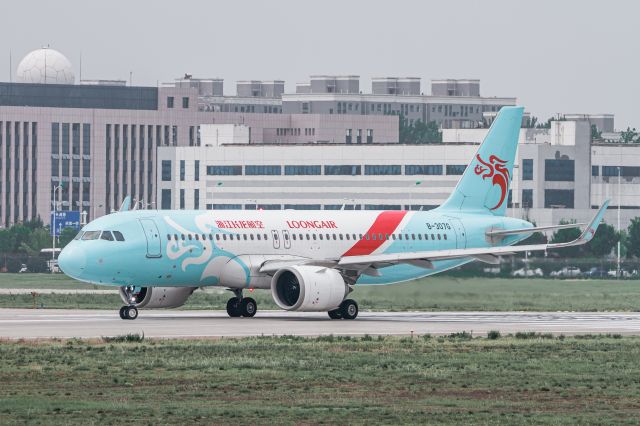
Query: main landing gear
x,y
128,312
239,306
348,309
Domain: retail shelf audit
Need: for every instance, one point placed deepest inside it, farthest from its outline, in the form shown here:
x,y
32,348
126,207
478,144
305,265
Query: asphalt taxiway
x,y
63,323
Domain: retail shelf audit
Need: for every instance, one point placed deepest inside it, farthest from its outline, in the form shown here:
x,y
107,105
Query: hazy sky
x,y
554,56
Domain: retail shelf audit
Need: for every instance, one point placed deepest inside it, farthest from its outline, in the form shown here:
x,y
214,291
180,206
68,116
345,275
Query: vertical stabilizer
x,y
484,186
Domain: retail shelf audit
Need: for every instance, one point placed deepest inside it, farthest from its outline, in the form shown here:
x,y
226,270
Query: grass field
x,y
454,380
440,293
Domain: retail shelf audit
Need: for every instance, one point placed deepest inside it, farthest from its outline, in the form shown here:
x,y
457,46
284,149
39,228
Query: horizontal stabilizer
x,y
505,232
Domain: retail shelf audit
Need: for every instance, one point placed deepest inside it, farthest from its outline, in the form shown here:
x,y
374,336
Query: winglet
x,y
589,231
126,204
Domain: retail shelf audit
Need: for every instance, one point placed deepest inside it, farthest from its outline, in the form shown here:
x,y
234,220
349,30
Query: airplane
x,y
309,260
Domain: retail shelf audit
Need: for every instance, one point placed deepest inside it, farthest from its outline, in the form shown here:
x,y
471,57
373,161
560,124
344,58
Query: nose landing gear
x,y
128,312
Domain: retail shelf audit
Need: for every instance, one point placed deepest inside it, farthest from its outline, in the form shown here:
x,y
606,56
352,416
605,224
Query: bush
x,y
493,335
124,338
13,264
37,264
462,335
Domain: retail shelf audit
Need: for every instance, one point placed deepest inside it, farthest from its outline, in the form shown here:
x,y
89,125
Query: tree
x,y
535,238
66,235
38,240
530,123
633,238
595,133
565,235
604,241
419,131
629,136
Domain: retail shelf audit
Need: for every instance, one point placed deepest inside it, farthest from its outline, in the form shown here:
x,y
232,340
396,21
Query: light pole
x,y
53,224
619,231
416,183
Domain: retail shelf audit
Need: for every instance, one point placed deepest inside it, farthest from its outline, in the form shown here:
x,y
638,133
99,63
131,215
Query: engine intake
x,y
156,297
308,288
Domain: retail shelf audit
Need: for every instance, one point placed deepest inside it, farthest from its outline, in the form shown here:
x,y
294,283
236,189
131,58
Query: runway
x,y
50,323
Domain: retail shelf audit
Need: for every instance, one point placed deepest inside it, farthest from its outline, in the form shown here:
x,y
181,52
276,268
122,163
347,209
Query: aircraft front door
x,y
154,245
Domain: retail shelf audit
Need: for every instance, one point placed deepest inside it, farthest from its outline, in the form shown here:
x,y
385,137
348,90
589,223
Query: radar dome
x,y
46,66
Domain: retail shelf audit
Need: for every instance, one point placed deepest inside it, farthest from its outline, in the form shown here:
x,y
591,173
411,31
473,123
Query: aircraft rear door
x,y
154,245
461,237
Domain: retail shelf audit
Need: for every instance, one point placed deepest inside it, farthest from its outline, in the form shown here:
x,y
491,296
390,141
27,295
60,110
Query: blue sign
x,y
65,219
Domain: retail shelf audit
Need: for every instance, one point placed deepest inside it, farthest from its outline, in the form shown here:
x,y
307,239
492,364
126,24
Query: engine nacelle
x,y
156,297
308,288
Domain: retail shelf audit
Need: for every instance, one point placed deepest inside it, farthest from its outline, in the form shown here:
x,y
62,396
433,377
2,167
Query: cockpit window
x,y
106,235
118,235
91,235
77,237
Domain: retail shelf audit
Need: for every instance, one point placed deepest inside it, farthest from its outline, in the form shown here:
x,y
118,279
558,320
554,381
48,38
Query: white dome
x,y
45,66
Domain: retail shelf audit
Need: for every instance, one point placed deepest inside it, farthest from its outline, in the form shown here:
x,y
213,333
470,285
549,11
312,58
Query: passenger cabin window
x,y
91,235
118,235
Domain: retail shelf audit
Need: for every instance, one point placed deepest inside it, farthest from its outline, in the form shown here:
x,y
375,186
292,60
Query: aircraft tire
x,y
122,312
349,309
248,307
233,307
335,314
131,312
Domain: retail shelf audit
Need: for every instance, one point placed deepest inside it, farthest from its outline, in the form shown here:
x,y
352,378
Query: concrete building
x,y
97,140
559,174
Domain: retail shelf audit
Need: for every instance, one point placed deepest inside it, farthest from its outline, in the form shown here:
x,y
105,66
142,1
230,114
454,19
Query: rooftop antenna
x,y
130,78
80,66
10,68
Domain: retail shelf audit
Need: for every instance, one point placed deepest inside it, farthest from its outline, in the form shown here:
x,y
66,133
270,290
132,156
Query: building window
x,y
302,170
595,170
455,169
343,170
196,199
182,171
559,170
359,136
429,169
527,198
527,169
75,138
510,200
65,138
166,199
169,101
55,138
185,102
348,136
86,139
558,198
224,170
196,170
182,199
625,171
262,170
166,170
382,169
369,135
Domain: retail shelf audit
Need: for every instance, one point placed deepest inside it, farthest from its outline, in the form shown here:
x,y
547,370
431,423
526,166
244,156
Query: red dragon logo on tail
x,y
497,170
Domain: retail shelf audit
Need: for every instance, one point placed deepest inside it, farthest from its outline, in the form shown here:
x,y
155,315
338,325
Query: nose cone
x,y
72,260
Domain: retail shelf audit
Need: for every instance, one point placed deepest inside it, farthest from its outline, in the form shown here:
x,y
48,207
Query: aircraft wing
x,y
485,254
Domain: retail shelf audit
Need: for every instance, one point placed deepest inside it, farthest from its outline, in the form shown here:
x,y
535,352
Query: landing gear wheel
x,y
248,307
131,312
122,312
335,314
233,307
349,309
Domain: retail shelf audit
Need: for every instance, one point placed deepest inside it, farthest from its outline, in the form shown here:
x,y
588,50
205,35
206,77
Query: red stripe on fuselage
x,y
386,223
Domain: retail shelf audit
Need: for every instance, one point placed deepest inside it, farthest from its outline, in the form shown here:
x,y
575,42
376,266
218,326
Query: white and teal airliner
x,y
309,260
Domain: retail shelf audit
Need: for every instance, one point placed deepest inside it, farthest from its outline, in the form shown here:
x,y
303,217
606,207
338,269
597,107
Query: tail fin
x,y
484,186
